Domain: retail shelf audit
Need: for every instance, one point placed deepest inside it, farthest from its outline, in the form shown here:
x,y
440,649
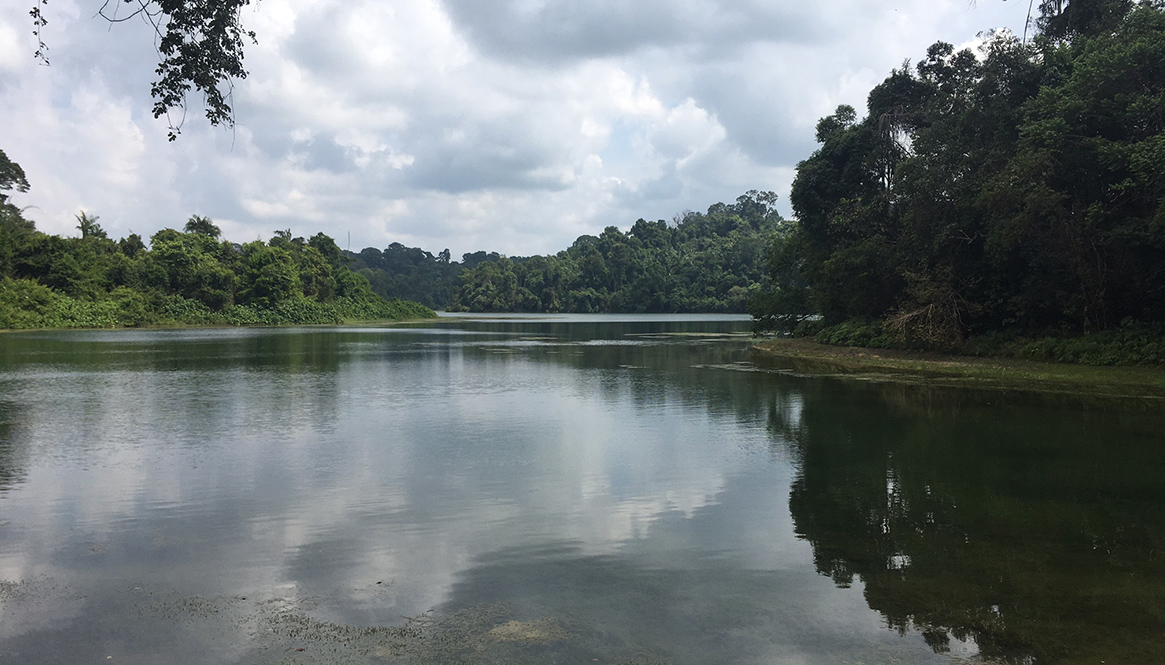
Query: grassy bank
x,y
808,357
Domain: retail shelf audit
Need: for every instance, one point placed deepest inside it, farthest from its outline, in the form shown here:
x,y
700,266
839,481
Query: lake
x,y
562,489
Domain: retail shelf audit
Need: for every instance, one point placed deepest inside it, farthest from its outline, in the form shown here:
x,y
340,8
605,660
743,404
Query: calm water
x,y
565,490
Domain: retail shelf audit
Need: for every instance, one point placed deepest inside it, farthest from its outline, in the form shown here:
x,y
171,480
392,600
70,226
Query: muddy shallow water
x,y
572,489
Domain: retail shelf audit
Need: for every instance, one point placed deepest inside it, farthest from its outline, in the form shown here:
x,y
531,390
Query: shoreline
x,y
216,326
806,357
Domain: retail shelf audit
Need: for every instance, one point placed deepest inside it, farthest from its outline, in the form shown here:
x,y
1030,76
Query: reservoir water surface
x,y
563,489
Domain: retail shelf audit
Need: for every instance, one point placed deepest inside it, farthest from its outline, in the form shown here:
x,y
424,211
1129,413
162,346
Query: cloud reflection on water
x,y
367,477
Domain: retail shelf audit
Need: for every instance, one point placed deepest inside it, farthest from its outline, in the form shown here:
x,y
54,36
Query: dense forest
x,y
412,273
183,277
1020,190
700,262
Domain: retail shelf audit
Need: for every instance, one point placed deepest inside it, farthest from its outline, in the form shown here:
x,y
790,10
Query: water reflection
x,y
628,492
12,455
1032,526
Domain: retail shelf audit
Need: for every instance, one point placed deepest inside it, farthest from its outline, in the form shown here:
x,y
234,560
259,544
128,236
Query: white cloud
x,y
503,125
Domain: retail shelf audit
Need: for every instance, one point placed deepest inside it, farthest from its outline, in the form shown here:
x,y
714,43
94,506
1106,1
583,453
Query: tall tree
x,y
88,226
1020,189
11,177
203,226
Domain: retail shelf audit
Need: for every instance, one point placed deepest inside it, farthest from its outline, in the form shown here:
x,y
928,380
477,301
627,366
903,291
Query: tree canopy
x,y
11,178
1022,188
700,262
190,277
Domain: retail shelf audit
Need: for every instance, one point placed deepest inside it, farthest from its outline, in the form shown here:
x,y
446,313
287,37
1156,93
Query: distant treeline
x,y
1020,191
701,262
183,277
414,274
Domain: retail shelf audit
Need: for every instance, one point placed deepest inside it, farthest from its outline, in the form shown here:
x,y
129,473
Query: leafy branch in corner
x,y
199,44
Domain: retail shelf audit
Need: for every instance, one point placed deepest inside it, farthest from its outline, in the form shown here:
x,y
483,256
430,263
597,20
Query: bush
x,y
132,307
24,303
856,332
176,309
809,327
1131,344
375,308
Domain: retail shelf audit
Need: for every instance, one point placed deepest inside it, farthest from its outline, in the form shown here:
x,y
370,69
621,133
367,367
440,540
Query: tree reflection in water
x,y
1033,526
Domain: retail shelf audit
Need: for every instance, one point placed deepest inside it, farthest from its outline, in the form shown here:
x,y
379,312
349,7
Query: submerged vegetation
x,y
991,200
189,277
1062,376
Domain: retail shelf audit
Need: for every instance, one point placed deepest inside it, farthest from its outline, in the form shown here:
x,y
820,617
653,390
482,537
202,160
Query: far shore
x,y
803,356
216,326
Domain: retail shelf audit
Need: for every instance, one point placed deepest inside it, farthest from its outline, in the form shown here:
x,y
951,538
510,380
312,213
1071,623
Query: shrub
x,y
1131,344
856,332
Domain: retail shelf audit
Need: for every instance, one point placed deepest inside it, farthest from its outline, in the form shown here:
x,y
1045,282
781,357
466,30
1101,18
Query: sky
x,y
505,125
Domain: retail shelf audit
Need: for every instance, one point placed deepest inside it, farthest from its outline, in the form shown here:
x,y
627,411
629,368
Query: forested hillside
x,y
412,273
701,262
1019,189
182,277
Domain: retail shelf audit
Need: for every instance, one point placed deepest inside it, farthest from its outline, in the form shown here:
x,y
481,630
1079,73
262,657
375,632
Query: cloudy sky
x,y
506,125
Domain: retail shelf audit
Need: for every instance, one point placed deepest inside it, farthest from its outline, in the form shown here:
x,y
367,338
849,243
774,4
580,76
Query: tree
x,y
202,226
328,249
709,262
14,228
786,302
193,267
88,226
200,46
11,177
269,274
1064,19
1020,192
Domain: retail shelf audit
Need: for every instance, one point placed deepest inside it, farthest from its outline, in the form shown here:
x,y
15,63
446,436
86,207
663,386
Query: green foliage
x,y
1131,344
183,279
11,178
24,303
809,328
375,308
854,333
15,231
132,308
200,46
202,226
29,304
195,266
710,262
1020,192
412,273
269,274
1061,19
189,278
88,226
784,303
